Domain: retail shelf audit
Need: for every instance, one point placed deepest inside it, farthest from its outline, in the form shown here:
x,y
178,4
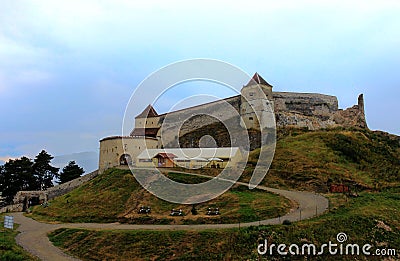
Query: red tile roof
x,y
148,112
165,155
257,79
148,132
116,138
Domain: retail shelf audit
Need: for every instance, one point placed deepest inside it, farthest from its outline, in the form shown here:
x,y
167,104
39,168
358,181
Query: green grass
x,y
100,200
9,250
357,217
115,196
310,159
186,179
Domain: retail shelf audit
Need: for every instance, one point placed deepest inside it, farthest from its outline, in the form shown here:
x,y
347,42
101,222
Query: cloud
x,y
88,56
82,27
22,64
4,159
15,51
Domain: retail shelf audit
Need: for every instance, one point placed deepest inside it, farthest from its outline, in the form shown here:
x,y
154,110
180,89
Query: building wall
x,y
309,104
173,122
146,163
310,110
152,122
112,148
316,111
252,108
189,164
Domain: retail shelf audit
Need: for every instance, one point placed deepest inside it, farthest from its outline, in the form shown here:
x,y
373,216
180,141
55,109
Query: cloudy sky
x,y
68,68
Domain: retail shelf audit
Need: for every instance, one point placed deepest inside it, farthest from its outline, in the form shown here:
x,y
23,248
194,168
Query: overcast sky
x,y
68,68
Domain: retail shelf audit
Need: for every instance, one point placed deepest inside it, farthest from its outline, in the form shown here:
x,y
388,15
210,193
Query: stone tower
x,y
253,103
361,103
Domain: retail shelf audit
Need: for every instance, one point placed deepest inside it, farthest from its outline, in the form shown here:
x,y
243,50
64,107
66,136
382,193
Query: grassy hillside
x,y
371,218
311,159
115,196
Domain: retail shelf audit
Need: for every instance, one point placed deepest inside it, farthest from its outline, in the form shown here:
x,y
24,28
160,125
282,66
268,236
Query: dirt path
x,y
33,236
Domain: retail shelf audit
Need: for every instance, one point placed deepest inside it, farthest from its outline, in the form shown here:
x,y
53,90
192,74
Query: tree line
x,y
36,174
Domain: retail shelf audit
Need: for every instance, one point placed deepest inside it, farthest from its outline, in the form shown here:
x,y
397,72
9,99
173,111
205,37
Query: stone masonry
x,y
21,199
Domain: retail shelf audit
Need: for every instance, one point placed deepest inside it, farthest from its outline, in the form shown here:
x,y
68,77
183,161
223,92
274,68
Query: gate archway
x,y
125,159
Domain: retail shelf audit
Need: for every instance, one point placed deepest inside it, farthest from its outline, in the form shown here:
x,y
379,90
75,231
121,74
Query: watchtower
x,y
254,96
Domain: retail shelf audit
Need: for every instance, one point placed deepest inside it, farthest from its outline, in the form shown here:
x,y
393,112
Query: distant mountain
x,y
87,160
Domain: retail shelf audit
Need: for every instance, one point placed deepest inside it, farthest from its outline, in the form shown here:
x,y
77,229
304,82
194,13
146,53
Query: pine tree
x,y
70,172
17,175
43,171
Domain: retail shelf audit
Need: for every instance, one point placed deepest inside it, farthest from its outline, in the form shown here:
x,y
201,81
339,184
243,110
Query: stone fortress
x,y
303,110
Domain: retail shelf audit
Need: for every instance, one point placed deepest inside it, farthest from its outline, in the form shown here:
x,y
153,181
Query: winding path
x,y
33,236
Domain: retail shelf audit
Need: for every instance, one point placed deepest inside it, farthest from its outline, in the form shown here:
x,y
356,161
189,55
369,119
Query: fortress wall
x,y
299,120
305,110
12,208
353,116
21,195
21,198
112,148
316,111
184,121
70,185
310,104
308,110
